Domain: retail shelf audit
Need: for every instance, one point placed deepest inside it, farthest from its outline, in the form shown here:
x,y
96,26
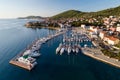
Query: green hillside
x,y
78,14
69,14
111,11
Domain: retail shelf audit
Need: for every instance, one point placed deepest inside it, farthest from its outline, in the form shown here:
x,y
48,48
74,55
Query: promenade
x,y
97,54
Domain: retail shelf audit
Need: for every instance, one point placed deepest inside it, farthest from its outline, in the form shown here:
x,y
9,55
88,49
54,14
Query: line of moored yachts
x,y
71,43
68,48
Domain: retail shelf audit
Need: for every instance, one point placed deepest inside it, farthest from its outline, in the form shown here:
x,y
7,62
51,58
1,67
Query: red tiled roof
x,y
112,38
103,32
90,30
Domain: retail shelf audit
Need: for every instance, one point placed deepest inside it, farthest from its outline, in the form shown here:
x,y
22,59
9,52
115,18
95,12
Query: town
x,y
105,31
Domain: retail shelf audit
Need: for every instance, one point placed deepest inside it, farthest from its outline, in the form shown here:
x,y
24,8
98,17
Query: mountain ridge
x,y
77,14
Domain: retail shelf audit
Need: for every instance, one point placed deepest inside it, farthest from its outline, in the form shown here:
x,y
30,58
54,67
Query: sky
x,y
47,8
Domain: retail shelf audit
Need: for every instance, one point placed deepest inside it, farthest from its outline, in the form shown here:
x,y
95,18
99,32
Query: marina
x,y
49,65
60,40
27,58
71,43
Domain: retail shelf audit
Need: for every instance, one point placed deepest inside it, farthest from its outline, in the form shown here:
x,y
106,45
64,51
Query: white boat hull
x,y
57,50
62,51
69,51
77,50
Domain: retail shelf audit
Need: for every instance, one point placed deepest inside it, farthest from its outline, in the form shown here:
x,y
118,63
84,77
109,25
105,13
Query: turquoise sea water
x,y
14,37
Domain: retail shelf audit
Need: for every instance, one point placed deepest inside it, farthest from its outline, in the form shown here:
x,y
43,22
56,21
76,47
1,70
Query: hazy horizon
x,y
47,8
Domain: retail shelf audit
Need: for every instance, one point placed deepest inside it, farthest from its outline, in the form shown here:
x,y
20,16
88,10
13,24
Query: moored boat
x,y
60,44
73,49
62,51
58,49
77,50
69,50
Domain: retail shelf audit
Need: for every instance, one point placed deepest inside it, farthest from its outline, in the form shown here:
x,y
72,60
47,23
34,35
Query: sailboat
x,y
77,50
62,51
69,50
60,44
58,49
73,49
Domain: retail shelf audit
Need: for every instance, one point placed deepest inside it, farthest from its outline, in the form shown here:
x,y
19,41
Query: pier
x,y
24,58
15,61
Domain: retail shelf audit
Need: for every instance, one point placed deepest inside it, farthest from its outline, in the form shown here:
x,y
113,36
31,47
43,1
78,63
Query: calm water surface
x,y
14,37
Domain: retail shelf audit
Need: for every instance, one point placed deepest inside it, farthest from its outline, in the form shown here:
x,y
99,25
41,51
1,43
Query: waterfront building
x,y
111,40
27,60
112,29
102,34
118,28
83,26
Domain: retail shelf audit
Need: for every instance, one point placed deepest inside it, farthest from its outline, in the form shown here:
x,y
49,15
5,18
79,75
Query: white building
x,y
61,25
94,29
111,40
27,60
83,26
92,34
102,34
118,28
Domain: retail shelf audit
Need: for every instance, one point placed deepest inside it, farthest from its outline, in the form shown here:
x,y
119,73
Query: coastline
x,y
98,55
49,27
103,58
54,28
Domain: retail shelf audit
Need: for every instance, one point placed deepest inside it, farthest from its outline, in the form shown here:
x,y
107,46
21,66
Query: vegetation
x,y
78,23
38,24
33,25
118,45
81,18
68,14
79,14
111,54
53,25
